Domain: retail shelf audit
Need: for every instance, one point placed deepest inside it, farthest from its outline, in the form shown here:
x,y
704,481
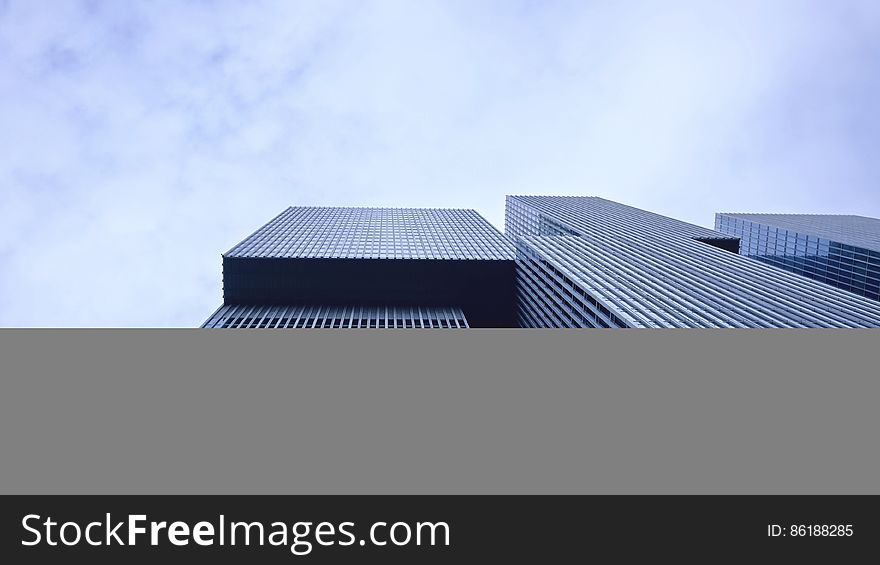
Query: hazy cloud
x,y
142,139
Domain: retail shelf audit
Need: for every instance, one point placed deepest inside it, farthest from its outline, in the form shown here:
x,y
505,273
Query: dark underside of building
x,y
482,289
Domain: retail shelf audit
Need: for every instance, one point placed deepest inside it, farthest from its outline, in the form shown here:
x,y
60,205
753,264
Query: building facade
x,y
590,262
843,251
563,262
321,267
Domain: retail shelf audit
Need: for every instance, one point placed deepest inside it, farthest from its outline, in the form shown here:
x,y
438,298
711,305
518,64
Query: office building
x,y
563,262
843,251
319,267
590,262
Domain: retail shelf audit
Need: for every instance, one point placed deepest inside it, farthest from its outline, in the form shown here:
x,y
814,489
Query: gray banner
x,y
439,411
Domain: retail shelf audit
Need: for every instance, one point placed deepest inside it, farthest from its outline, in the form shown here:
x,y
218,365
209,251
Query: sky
x,y
140,140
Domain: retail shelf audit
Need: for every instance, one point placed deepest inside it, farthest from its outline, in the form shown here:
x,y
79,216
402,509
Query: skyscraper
x,y
564,262
590,262
843,251
316,267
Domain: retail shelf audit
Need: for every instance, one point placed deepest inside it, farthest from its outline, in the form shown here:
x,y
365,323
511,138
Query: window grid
x,y
843,251
376,233
265,316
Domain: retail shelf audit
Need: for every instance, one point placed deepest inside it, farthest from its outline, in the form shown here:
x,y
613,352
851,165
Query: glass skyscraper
x,y
843,251
590,262
563,262
321,267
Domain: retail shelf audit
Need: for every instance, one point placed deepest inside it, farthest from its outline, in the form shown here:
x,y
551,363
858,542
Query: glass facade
x,y
317,316
590,262
843,251
376,233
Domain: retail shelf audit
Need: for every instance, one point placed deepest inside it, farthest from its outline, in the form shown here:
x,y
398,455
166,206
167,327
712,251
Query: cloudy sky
x,y
140,140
